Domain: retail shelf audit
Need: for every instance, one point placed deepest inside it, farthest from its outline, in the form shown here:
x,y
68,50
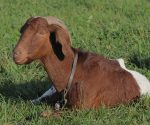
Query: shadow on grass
x,y
25,91
140,62
28,91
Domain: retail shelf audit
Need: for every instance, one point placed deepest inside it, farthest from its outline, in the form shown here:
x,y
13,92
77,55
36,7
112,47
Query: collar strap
x,y
63,100
71,74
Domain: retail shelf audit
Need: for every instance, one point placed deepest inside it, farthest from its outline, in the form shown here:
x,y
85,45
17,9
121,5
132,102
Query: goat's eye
x,y
41,32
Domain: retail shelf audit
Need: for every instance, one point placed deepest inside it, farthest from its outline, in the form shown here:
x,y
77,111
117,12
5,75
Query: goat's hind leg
x,y
48,93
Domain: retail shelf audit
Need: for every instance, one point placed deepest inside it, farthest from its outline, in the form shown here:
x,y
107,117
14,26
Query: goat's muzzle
x,y
19,56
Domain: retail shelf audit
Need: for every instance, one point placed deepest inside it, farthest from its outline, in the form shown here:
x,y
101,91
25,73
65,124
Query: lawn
x,y
116,28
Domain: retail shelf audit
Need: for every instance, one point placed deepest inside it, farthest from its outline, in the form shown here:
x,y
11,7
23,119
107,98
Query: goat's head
x,y
41,36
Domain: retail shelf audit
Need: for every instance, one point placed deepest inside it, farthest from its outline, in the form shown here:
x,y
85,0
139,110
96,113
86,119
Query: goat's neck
x,y
58,71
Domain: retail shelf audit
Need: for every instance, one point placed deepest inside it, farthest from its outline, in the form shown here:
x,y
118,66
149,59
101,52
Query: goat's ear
x,y
56,46
61,35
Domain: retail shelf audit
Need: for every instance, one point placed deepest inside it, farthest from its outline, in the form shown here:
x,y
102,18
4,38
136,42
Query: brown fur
x,y
97,81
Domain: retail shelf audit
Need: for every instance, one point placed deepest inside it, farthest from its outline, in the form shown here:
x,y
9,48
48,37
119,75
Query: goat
x,y
97,80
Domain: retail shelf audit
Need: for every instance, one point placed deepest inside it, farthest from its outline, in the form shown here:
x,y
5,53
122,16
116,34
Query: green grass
x,y
117,28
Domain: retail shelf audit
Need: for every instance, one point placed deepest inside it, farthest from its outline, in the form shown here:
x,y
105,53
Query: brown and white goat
x,y
97,81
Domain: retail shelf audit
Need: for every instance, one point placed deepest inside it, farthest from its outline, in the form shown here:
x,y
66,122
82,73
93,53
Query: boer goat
x,y
85,79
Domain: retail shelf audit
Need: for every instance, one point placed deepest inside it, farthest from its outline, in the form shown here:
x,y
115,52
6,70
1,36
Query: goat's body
x,y
113,83
100,81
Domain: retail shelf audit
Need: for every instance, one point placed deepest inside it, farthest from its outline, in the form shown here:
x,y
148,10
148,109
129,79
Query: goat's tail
x,y
142,81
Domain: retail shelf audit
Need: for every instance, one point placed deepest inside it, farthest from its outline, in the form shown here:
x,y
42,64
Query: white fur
x,y
141,80
49,92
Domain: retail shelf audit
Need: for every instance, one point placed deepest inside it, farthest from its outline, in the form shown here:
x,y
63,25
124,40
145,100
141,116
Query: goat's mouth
x,y
20,61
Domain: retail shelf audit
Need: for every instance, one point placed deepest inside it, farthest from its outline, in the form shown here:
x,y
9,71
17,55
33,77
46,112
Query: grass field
x,y
116,28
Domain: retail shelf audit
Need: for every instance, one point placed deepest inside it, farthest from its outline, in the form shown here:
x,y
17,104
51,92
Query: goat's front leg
x,y
48,93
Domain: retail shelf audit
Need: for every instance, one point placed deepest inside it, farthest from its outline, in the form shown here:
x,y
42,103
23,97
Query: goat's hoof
x,y
35,102
57,106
